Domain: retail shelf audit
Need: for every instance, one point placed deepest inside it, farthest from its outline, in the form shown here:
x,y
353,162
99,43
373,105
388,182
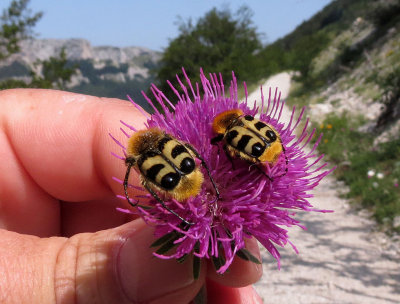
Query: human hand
x,y
62,241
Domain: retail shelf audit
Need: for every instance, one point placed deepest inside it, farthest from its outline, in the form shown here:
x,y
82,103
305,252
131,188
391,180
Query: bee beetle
x,y
166,165
248,138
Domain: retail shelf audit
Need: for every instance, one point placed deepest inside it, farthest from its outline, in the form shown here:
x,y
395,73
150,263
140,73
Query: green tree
x,y
271,60
219,42
16,24
304,50
55,72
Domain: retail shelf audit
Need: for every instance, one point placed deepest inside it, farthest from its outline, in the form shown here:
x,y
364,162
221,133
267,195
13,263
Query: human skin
x,y
61,238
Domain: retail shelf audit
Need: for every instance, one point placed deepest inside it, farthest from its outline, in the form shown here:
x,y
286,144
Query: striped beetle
x,y
166,166
248,138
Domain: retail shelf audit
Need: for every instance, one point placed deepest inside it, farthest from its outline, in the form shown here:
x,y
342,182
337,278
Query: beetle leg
x,y
163,203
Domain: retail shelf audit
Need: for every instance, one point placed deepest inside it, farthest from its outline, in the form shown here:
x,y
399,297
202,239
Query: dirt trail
x,y
341,260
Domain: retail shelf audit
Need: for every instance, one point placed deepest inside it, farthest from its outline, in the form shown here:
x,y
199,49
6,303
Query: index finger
x,y
55,146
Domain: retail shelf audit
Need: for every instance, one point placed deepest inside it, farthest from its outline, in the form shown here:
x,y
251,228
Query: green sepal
x,y
167,246
163,239
247,256
145,207
201,296
218,261
196,267
182,258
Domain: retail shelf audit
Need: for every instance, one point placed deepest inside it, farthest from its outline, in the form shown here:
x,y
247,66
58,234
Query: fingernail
x,y
144,277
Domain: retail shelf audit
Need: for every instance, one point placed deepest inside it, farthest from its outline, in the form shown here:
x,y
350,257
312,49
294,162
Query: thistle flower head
x,y
251,203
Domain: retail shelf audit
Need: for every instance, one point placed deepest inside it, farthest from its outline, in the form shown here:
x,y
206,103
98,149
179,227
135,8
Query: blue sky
x,y
151,23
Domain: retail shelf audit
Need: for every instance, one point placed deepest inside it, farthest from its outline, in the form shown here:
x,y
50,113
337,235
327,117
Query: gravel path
x,y
341,260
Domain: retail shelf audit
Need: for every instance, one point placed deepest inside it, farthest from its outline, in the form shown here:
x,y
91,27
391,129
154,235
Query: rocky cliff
x,y
103,70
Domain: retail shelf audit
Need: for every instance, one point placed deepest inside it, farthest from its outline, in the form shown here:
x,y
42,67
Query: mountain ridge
x,y
106,71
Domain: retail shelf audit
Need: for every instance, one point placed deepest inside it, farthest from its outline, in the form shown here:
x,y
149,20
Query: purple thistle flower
x,y
250,203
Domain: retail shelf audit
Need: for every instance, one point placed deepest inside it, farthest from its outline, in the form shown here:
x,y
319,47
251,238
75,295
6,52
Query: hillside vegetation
x,y
348,62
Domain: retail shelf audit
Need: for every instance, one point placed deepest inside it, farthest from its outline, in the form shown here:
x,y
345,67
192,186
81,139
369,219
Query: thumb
x,y
110,266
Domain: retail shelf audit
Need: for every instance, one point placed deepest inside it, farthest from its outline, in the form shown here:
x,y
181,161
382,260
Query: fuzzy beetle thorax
x,y
144,140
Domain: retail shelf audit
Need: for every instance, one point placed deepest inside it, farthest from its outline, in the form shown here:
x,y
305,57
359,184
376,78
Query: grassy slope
x,y
349,58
